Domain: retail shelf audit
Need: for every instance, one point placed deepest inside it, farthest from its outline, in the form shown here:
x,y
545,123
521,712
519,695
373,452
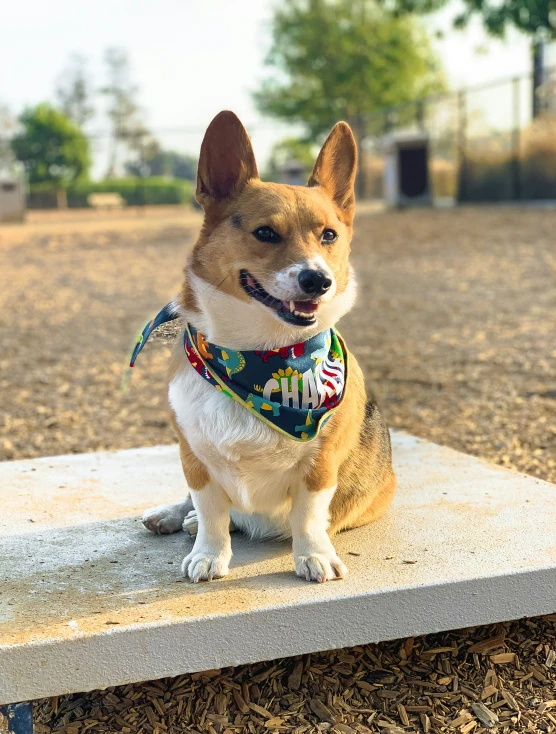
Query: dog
x,y
267,280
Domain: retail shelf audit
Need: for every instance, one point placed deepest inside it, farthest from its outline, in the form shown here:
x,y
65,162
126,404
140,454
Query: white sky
x,y
191,58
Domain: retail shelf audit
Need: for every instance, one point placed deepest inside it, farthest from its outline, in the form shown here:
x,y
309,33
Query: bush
x,y
42,196
134,191
54,149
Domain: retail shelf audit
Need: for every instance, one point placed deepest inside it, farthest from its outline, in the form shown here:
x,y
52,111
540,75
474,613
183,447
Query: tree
x,y
287,150
535,18
74,91
343,59
52,147
140,142
123,109
162,162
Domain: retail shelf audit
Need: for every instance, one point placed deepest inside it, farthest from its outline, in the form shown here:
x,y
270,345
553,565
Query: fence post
x,y
516,143
462,140
17,718
538,74
388,122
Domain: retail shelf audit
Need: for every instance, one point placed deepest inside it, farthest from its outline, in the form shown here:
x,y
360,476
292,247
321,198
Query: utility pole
x,y
538,73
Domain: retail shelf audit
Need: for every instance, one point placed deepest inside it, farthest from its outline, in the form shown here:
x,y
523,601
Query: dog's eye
x,y
266,234
328,237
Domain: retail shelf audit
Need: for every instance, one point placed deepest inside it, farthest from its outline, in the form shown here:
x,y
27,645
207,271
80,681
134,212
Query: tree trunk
x,y
112,159
61,199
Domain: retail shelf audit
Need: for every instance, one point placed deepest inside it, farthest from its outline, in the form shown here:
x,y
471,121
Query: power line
x,y
197,129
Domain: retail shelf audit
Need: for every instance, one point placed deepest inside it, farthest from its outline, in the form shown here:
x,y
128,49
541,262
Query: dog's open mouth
x,y
300,313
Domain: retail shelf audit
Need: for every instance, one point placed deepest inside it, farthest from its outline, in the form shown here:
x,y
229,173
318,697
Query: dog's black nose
x,y
314,282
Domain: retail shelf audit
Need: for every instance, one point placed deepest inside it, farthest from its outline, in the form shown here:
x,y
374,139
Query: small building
x,y
294,173
12,194
406,170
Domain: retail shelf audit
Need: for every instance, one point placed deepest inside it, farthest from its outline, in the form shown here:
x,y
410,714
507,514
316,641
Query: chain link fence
x,y
496,142
485,143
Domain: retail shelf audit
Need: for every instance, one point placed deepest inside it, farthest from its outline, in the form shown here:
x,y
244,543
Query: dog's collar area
x,y
299,313
293,389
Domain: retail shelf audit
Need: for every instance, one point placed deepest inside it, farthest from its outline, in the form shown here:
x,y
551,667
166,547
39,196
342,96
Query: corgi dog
x,y
267,279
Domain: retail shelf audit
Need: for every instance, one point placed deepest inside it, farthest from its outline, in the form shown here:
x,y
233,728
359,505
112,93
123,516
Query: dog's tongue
x,y
301,306
306,306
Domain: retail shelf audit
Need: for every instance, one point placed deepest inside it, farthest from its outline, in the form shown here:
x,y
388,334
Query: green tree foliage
x,y
536,18
74,92
343,59
54,150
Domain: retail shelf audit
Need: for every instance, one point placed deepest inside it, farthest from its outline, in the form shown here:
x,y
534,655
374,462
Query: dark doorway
x,y
414,180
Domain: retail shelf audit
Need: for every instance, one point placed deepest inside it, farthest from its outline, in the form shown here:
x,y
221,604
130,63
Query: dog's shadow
x,y
119,571
260,564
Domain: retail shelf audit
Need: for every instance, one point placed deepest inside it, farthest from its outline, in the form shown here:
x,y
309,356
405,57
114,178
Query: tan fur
x,y
298,214
195,472
355,451
355,454
349,478
226,242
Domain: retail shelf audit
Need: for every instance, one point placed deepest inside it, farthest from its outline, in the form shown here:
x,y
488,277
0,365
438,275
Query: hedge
x,y
134,191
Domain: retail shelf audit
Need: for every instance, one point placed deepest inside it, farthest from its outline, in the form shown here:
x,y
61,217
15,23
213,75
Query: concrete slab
x,y
89,599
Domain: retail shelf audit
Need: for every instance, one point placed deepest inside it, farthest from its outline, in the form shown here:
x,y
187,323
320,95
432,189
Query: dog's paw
x,y
164,519
191,523
205,565
320,567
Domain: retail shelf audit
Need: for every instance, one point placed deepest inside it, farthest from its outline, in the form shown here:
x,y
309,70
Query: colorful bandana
x,y
293,389
168,313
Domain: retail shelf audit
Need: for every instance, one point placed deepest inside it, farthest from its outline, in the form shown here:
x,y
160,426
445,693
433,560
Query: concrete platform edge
x,y
156,651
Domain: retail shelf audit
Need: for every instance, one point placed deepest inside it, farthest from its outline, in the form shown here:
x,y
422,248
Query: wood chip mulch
x,y
498,678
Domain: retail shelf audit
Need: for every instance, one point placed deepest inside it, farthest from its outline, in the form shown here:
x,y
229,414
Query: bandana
x,y
294,389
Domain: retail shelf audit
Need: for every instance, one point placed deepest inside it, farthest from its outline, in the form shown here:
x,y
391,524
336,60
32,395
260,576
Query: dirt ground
x,y
454,327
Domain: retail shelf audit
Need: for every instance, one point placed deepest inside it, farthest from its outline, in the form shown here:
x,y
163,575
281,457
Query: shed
x,y
12,194
294,173
406,170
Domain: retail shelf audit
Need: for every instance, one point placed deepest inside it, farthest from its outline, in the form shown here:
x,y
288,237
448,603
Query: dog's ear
x,y
226,162
336,167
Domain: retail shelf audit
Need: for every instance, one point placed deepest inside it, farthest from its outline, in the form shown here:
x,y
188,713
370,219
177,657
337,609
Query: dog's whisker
x,y
217,287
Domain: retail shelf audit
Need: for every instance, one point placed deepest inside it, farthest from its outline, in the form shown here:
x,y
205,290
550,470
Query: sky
x,y
192,58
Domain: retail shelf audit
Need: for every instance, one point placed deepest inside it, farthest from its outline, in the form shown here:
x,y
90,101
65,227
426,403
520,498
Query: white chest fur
x,y
255,465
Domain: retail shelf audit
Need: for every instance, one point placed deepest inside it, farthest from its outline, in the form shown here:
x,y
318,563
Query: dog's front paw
x,y
320,567
164,519
205,565
191,523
